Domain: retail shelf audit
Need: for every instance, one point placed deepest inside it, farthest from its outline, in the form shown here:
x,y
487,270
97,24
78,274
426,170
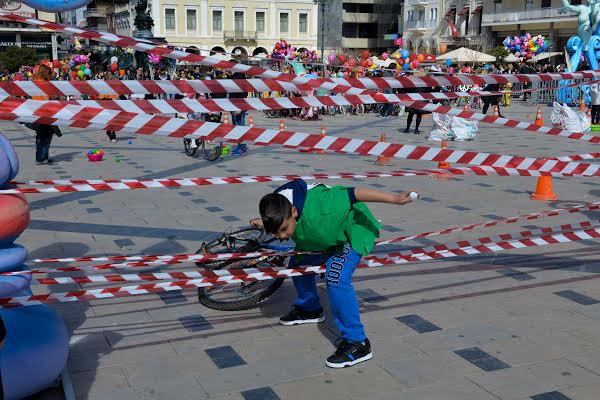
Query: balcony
x,y
236,36
421,3
94,13
415,25
508,17
359,17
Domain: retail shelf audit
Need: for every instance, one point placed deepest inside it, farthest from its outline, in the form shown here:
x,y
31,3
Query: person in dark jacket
x,y
493,100
43,132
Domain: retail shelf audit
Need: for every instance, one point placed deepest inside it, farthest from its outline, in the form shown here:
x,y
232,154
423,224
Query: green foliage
x,y
13,57
500,52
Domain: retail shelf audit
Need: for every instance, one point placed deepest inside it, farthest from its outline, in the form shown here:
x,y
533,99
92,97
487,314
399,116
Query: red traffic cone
x,y
543,190
382,160
225,119
582,104
538,117
496,112
251,121
466,107
281,125
443,164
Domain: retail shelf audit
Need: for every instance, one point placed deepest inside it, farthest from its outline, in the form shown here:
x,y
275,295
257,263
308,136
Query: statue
x,y
586,18
143,21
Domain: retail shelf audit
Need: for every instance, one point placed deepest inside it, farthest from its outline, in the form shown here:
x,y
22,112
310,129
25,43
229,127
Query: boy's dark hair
x,y
274,208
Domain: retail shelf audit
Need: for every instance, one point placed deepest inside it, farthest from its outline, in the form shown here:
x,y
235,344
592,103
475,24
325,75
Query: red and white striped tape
x,y
350,86
77,116
185,87
91,185
232,276
185,257
407,255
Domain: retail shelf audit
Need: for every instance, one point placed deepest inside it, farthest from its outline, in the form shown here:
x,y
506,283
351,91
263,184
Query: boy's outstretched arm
x,y
369,195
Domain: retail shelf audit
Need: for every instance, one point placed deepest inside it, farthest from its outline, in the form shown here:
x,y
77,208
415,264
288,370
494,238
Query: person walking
x,y
43,132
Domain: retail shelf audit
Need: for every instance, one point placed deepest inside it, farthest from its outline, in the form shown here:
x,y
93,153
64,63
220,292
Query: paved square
x,y
510,325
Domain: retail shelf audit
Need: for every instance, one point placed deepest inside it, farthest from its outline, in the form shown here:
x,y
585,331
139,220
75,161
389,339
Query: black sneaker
x,y
298,316
350,353
406,130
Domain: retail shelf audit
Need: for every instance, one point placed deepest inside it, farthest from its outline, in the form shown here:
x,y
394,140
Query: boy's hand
x,y
256,222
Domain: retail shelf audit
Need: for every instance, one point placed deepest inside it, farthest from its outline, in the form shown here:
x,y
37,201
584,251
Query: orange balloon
x,y
443,48
420,57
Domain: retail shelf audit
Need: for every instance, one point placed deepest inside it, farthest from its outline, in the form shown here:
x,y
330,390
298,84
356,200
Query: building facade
x,y
440,25
364,24
247,27
16,34
538,17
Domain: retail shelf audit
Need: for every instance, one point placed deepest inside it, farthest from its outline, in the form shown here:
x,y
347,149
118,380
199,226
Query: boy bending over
x,y
337,221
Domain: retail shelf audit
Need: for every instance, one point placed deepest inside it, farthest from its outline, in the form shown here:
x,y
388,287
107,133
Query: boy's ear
x,y
294,212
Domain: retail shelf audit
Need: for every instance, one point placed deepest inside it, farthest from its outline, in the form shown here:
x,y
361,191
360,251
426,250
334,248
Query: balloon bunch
x,y
154,59
283,50
407,61
306,56
80,66
526,46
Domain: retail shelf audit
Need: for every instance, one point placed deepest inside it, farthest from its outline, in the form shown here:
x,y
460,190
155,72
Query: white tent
x,y
543,56
511,58
465,55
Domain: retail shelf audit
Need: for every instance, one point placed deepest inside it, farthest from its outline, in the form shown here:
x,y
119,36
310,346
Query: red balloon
x,y
342,58
74,73
365,54
114,67
56,64
401,61
364,63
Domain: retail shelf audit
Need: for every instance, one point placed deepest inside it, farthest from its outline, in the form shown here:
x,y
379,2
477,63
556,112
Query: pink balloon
x,y
384,56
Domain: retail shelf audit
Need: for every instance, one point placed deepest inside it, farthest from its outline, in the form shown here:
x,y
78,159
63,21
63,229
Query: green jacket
x,y
328,220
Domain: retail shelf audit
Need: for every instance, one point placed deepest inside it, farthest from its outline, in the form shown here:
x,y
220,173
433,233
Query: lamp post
x,y
322,31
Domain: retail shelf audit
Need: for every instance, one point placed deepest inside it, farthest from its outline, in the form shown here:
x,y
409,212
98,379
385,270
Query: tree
x,y
500,52
14,57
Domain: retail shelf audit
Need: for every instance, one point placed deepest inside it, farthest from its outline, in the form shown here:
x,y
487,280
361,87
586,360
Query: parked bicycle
x,y
211,150
247,295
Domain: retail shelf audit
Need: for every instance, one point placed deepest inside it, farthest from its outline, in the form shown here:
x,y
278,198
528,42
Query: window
x,y
433,14
238,21
190,18
260,21
410,15
170,19
303,23
284,23
217,20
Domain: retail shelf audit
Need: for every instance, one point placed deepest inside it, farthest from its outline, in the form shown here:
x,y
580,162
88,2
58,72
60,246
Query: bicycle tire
x,y
187,147
212,154
245,303
271,113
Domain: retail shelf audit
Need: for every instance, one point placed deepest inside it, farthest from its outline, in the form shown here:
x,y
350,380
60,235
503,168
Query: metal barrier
x,y
550,91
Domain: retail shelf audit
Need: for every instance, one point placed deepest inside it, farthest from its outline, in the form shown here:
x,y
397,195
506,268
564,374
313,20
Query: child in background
x,y
595,102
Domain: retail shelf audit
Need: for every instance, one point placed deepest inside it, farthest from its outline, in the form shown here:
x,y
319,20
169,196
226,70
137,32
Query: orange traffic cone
x,y
538,117
589,114
466,107
496,112
382,160
582,104
543,190
281,125
443,164
322,136
251,121
225,119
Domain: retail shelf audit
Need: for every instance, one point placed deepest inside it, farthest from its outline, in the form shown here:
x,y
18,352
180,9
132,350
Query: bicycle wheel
x,y
271,113
360,109
187,147
212,150
237,296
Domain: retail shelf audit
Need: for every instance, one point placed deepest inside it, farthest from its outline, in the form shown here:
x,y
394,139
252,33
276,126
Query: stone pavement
x,y
510,325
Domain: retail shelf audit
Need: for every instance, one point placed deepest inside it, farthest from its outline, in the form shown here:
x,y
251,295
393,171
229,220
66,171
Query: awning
x,y
477,9
451,12
464,10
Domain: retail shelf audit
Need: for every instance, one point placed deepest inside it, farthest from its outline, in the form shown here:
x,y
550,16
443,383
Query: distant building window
x,y
170,19
238,21
284,23
260,21
191,19
303,23
217,20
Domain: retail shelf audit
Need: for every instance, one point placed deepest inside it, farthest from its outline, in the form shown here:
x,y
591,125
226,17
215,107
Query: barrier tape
x,y
241,276
92,185
340,85
28,111
185,87
185,257
406,255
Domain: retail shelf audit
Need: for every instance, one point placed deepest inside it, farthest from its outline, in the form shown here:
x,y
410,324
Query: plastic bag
x,y
441,128
447,127
566,118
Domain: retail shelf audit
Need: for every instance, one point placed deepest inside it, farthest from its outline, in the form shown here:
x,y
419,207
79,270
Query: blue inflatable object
x,y
56,5
12,257
405,53
37,344
13,160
